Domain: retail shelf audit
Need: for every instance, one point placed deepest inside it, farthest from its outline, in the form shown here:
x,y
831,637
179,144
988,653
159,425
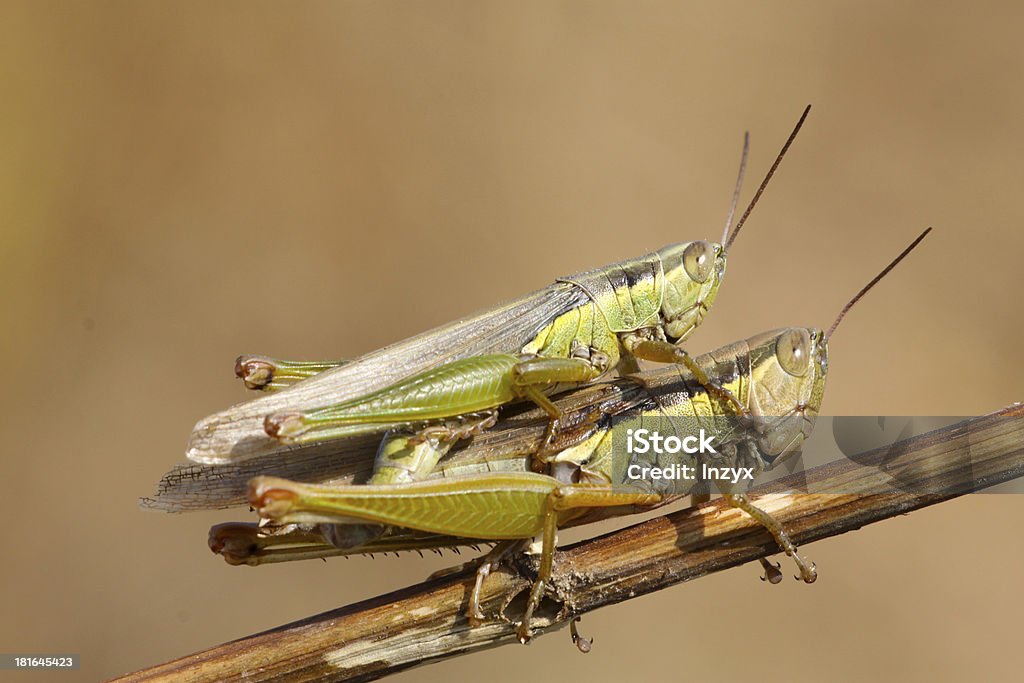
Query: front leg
x,y
807,571
661,351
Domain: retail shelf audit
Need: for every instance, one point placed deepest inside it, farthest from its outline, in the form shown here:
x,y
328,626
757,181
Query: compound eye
x,y
699,260
793,349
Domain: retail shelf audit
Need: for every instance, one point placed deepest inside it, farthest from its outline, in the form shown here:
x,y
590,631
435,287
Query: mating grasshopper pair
x,y
574,332
488,493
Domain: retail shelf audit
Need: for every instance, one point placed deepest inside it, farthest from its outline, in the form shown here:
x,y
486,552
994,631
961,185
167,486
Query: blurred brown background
x,y
184,182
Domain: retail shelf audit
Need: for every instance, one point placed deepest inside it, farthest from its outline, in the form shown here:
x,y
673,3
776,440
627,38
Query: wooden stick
x,y
426,622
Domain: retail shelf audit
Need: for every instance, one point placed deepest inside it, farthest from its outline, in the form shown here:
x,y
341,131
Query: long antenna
x,y
764,183
874,282
739,186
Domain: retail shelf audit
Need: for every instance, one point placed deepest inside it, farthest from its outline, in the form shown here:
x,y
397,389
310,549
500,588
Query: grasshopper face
x,y
693,273
787,382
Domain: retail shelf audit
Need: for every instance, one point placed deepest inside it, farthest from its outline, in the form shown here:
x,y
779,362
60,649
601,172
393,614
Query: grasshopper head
x,y
693,272
787,378
788,369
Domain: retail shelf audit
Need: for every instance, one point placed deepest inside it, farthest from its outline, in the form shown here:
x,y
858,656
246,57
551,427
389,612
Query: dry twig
x,y
426,622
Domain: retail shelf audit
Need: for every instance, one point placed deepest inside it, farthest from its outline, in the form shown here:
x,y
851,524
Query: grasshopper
x,y
450,381
778,378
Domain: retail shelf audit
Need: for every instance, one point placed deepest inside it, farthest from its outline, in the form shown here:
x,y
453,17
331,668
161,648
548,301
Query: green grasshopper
x,y
450,381
778,378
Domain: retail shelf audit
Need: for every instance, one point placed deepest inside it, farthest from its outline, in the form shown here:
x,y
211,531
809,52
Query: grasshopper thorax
x,y
693,273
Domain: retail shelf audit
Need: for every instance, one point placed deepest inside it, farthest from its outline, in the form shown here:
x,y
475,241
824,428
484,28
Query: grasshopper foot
x,y
545,453
488,563
808,573
772,572
474,615
582,644
726,396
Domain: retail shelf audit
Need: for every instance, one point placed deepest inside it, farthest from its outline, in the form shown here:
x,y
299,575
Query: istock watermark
x,y
645,441
681,454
